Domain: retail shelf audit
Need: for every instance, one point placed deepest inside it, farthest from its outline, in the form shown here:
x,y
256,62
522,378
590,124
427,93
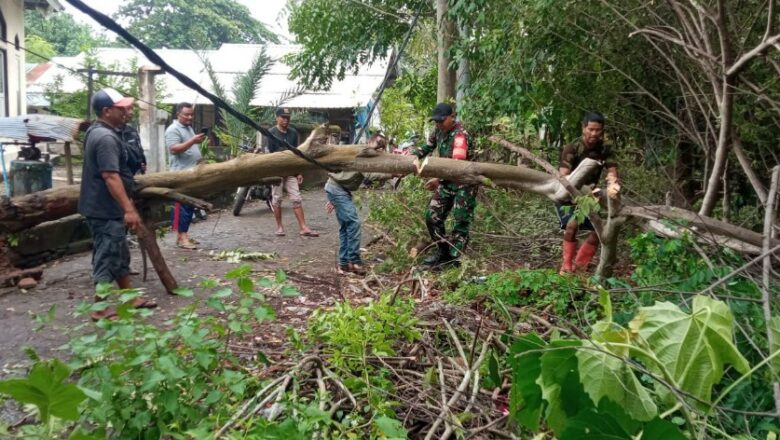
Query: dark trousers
x,y
181,217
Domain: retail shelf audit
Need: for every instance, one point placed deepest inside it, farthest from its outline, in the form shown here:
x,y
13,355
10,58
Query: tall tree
x,y
338,35
192,24
60,29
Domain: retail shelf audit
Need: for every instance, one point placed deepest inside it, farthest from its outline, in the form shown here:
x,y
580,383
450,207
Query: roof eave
x,y
52,5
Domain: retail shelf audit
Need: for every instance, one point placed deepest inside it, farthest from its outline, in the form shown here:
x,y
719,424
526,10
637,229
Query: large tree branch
x,y
748,56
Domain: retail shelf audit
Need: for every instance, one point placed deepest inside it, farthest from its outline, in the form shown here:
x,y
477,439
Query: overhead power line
x,y
152,56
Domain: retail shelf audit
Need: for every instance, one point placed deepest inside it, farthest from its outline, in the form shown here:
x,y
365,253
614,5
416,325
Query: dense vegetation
x,y
675,345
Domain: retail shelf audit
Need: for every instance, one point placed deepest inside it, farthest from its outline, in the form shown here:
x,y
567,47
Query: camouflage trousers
x,y
461,201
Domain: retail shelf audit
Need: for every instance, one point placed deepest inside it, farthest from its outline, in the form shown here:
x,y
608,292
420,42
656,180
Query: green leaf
x,y
560,383
290,291
694,347
246,285
264,313
774,329
606,303
44,387
661,430
390,428
80,434
187,293
604,375
280,276
495,376
265,282
222,293
593,425
525,396
241,271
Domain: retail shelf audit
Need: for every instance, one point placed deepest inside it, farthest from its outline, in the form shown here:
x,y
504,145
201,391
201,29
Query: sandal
x,y
143,303
186,245
280,233
309,234
104,314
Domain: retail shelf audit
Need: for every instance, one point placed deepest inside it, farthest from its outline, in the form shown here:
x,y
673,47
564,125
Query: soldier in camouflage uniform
x,y
460,199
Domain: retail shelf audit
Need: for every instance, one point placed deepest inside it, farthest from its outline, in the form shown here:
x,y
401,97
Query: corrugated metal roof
x,y
229,61
20,128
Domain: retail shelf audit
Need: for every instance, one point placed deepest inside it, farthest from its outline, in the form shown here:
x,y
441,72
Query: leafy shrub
x,y
584,388
174,381
348,335
521,287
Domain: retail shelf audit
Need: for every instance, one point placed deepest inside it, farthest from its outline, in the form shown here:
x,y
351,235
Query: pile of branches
x,y
438,380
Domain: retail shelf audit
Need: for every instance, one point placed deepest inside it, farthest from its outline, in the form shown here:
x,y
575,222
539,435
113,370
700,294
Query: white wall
x,y
13,14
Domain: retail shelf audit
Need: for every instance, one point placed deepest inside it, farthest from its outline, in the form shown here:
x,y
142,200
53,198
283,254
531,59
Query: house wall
x,y
15,100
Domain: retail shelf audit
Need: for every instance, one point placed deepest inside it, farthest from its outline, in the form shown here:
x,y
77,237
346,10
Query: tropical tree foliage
x,y
60,30
192,24
337,36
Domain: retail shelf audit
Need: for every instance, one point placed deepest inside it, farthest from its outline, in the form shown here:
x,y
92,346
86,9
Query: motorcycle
x,y
256,192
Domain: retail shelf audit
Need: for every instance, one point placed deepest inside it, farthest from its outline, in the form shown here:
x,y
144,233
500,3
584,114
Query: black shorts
x,y
565,214
110,253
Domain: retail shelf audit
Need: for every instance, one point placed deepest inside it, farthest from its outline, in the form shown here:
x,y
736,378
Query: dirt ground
x,y
308,262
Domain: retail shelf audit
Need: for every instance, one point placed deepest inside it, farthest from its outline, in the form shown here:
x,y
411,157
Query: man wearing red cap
x,y
106,194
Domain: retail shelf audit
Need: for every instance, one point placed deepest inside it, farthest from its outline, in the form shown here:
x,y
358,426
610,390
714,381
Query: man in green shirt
x,y
452,141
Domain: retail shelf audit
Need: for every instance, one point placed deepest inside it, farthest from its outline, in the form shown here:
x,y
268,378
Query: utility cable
x,y
84,75
391,68
152,56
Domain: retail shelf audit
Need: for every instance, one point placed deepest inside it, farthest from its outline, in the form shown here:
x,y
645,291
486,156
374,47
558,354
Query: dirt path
x,y
309,262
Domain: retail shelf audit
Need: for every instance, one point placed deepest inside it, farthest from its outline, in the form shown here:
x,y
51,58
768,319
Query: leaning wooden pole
x,y
769,222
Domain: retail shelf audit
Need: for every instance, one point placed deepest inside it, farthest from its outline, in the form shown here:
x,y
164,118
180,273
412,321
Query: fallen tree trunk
x,y
26,211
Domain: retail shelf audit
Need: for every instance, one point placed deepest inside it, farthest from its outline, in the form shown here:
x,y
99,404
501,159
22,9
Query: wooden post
x,y
68,163
148,119
769,221
90,91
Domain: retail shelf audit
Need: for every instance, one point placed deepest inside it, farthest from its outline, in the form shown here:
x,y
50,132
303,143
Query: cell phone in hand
x,y
204,130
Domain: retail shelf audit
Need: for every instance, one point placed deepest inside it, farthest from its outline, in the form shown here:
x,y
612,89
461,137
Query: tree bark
x,y
769,221
721,151
445,89
148,241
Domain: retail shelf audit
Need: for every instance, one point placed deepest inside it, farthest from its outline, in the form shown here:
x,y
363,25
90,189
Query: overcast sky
x,y
265,11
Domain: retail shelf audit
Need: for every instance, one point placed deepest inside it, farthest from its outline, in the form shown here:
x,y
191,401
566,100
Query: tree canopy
x,y
67,36
337,37
192,24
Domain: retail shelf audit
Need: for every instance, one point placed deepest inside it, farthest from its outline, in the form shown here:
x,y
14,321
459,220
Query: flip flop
x,y
186,245
280,234
309,234
97,316
143,303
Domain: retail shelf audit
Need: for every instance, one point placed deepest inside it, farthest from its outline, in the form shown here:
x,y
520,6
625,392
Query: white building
x,y
13,100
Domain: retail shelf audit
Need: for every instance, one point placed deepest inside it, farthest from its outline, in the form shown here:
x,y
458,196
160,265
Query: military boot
x,y
442,255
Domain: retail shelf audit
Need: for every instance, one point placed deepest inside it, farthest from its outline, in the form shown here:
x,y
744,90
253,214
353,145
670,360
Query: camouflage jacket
x,y
444,142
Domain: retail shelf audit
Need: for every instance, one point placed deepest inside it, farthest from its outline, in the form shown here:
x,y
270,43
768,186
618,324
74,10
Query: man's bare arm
x,y
117,190
184,146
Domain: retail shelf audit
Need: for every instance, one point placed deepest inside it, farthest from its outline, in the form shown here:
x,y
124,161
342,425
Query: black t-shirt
x,y
135,152
103,151
291,136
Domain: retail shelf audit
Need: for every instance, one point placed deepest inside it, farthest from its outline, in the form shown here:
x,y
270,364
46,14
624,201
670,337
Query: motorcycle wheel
x,y
238,203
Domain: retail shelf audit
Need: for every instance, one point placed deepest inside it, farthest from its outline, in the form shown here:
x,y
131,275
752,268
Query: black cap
x,y
441,111
283,111
109,98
